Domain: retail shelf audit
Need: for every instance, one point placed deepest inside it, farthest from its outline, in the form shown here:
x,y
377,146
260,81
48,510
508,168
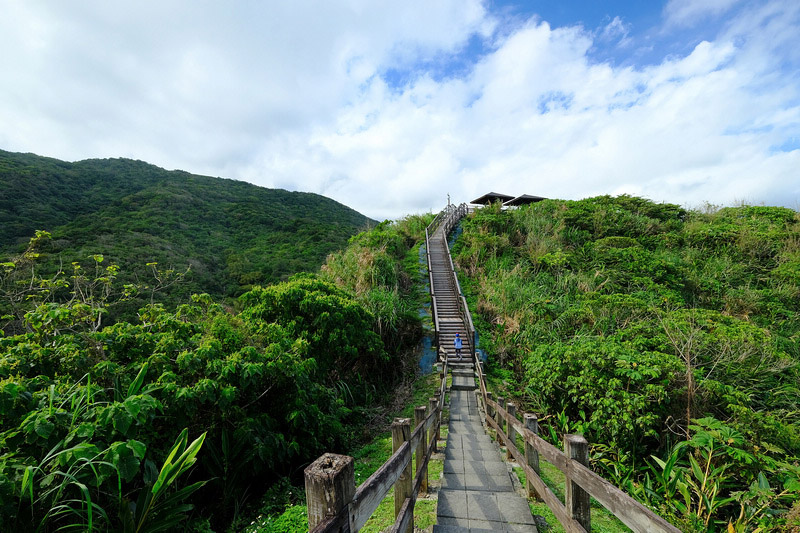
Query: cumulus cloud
x,y
691,12
298,97
536,116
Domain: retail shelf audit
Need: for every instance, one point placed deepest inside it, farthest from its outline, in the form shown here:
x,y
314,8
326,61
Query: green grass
x,y
602,519
371,456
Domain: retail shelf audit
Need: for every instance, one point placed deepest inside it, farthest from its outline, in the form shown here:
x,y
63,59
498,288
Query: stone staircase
x,y
477,493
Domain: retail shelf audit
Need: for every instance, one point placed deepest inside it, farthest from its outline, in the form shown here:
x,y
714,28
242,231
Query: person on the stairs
x,y
458,344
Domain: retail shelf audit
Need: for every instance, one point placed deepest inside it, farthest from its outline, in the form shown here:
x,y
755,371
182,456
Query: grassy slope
x,y
595,313
231,234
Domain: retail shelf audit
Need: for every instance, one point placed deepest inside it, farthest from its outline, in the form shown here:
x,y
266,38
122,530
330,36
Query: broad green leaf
x,y
127,463
122,421
136,385
138,448
85,430
43,427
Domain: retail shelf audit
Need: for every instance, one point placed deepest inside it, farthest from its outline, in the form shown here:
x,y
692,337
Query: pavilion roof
x,y
492,197
524,199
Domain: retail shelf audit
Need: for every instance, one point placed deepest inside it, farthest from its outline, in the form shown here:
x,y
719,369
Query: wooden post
x,y
330,487
440,406
419,455
489,410
401,432
498,415
531,455
576,499
434,436
511,434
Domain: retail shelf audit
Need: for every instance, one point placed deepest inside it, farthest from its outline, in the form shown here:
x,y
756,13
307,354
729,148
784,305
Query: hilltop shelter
x,y
492,197
524,199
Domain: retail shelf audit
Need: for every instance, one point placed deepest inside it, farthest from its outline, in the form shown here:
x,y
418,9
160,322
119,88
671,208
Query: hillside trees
x,y
102,420
226,236
658,332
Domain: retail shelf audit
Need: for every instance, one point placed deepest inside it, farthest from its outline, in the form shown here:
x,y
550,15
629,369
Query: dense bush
x,y
657,332
132,424
253,387
382,268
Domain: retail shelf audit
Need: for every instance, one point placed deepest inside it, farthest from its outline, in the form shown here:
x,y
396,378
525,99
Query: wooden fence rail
x,y
581,483
336,505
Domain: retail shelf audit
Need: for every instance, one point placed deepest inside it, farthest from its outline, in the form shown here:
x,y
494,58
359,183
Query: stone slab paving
x,y
477,494
463,382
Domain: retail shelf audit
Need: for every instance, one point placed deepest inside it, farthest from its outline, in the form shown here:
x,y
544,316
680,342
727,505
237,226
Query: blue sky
x,y
390,107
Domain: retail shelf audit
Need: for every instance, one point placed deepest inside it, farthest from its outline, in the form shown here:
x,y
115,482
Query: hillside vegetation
x,y
224,235
195,417
668,337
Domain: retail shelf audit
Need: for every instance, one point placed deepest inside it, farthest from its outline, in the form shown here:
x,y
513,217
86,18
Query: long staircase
x,y
447,299
477,493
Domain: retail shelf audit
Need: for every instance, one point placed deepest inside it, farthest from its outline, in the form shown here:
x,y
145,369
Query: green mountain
x,y
202,416
231,235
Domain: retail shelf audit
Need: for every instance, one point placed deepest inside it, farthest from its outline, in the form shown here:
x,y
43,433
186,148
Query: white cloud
x,y
292,96
691,12
616,30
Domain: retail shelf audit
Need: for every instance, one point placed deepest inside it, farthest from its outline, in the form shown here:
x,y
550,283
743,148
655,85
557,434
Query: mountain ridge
x,y
231,234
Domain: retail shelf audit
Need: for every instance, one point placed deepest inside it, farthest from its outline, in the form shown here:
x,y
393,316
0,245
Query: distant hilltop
x,y
230,234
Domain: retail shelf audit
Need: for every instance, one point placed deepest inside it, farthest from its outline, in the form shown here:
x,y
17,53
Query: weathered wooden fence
x,y
336,505
580,482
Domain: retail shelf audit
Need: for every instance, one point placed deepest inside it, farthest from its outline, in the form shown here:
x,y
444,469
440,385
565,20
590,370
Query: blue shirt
x,y
457,342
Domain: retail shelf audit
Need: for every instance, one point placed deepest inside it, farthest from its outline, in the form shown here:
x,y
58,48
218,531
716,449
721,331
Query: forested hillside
x,y
668,337
197,417
230,235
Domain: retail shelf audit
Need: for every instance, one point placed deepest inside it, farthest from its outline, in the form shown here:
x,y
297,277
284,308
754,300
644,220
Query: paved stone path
x,y
477,494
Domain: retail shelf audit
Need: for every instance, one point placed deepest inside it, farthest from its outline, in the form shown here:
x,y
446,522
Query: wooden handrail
x,y
336,505
434,310
630,512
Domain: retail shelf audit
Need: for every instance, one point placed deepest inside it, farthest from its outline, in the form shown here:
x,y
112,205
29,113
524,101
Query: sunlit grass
x,y
602,519
371,456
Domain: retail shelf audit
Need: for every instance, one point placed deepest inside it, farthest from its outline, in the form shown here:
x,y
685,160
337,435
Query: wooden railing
x,y
463,309
336,505
580,482
434,310
448,218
